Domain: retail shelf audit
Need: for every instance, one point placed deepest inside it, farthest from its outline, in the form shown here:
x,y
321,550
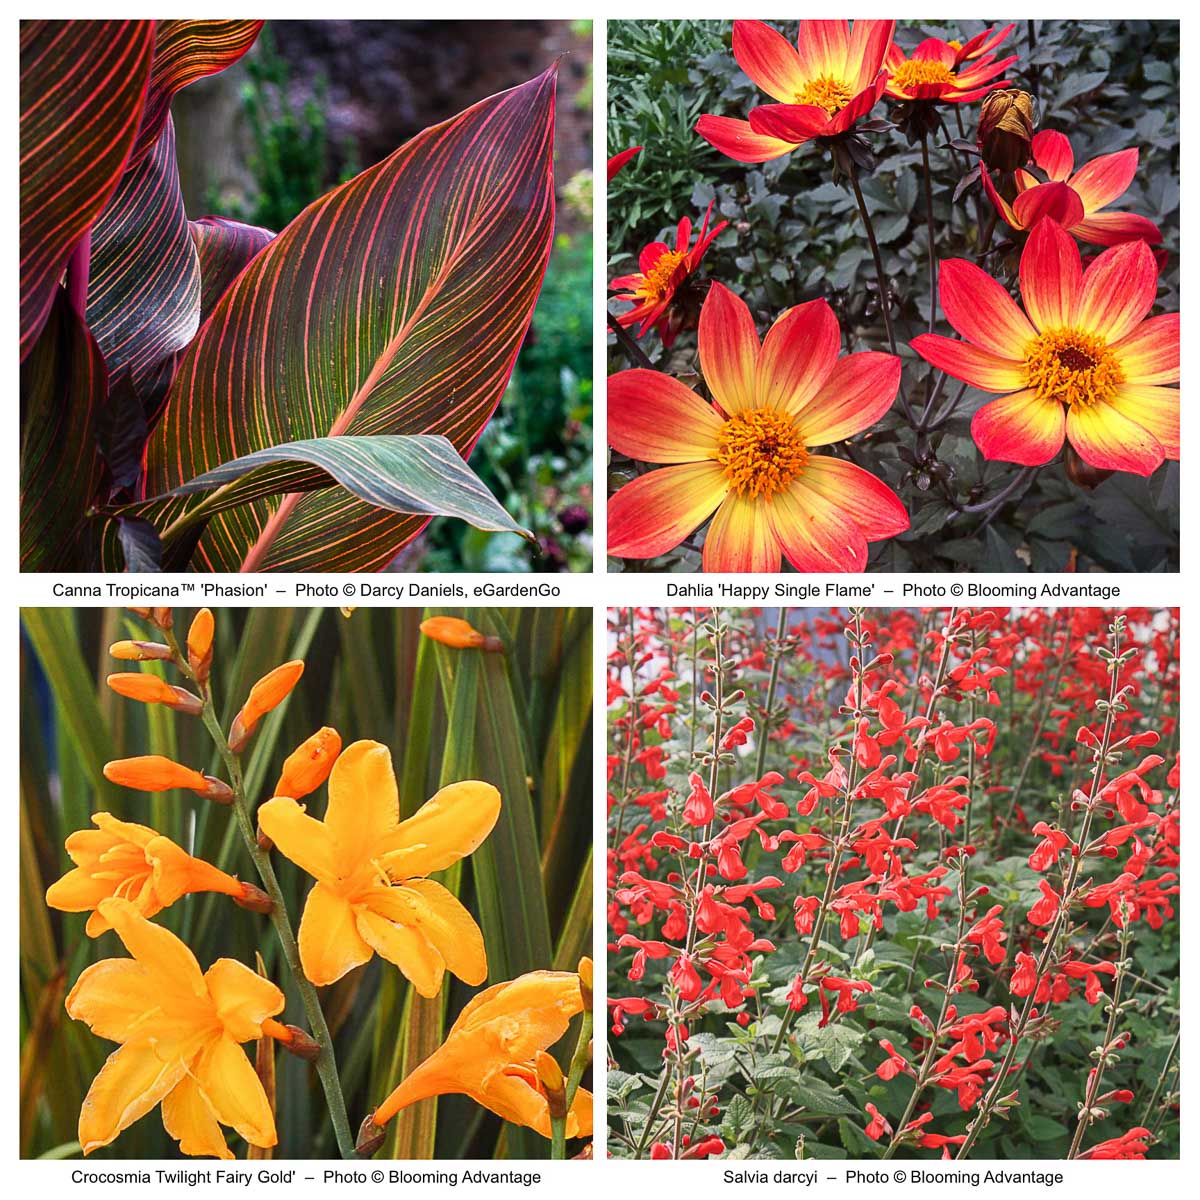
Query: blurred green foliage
x,y
795,235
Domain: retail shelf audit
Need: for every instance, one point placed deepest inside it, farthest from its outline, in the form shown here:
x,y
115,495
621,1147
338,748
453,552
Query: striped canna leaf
x,y
418,474
83,85
224,247
144,284
63,389
394,305
185,51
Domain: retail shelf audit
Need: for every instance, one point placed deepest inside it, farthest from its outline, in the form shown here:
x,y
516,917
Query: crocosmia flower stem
x,y
325,1062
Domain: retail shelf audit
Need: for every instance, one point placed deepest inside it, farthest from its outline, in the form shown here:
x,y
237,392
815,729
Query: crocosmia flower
x,y
832,78
491,1052
935,71
662,276
1082,362
747,456
1074,198
179,1032
371,895
119,858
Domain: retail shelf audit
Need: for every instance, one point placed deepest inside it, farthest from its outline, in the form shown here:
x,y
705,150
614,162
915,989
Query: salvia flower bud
x,y
1006,129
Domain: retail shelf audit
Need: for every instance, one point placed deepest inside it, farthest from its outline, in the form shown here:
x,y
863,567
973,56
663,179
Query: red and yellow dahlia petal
x,y
737,140
1050,273
1102,180
1052,152
982,71
797,355
981,310
655,512
1107,439
793,123
728,349
1118,290
856,394
740,538
980,368
1052,201
934,50
1150,354
869,42
1020,429
864,497
654,418
1155,409
823,48
650,255
1002,206
859,106
1113,228
769,59
814,534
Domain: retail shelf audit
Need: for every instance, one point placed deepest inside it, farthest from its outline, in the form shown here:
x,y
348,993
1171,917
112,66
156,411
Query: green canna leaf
x,y
394,305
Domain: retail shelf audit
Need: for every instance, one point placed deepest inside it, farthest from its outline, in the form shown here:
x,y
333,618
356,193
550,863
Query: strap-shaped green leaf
x,y
83,84
418,474
394,305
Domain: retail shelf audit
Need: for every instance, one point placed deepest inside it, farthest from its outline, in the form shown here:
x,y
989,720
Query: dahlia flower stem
x,y
933,265
1060,922
880,279
325,1062
633,351
1096,1076
993,503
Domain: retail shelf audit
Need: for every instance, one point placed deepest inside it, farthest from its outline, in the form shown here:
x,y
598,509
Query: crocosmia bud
x,y
1006,129
454,631
272,689
199,644
308,766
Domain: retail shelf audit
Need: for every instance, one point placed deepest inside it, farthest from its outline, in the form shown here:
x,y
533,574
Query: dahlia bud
x,y
1005,129
308,766
199,644
370,1137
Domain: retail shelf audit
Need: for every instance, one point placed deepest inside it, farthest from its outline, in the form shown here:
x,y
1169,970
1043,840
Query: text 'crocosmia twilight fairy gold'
x,y
491,1054
179,1032
371,895
134,863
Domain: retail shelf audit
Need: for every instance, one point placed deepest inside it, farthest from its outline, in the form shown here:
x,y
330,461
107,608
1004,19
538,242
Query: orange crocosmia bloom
x,y
1074,198
452,631
661,277
153,689
830,80
308,766
491,1054
179,1032
154,773
371,894
134,863
1082,362
747,455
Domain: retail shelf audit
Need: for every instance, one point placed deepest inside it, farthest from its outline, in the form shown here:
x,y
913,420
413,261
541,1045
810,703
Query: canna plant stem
x,y
326,1064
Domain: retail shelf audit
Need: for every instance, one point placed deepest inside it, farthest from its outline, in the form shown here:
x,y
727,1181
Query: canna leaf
x,y
224,247
144,285
185,51
83,84
63,385
394,305
418,474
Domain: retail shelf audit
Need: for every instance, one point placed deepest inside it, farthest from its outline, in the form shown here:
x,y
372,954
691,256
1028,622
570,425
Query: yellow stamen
x,y
954,44
761,451
657,285
917,71
826,92
1072,366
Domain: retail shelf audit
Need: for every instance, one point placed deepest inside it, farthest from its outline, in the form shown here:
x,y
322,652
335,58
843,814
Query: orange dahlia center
x,y
826,92
917,71
1073,366
658,279
761,451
